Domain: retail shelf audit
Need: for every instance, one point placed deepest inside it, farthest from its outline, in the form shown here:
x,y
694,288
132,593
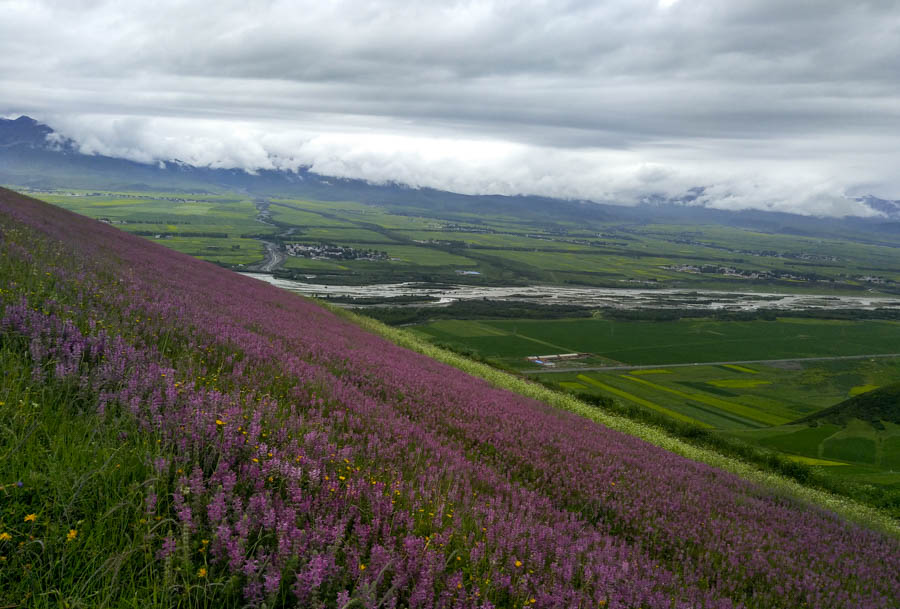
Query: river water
x,y
592,297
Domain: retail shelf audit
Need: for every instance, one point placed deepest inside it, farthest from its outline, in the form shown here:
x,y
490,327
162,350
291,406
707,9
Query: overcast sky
x,y
778,104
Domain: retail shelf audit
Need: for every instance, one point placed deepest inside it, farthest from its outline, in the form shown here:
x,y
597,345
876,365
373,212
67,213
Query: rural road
x,y
274,255
274,258
738,362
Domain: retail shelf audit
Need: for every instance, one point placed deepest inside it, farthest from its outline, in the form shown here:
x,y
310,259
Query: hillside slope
x,y
882,404
262,451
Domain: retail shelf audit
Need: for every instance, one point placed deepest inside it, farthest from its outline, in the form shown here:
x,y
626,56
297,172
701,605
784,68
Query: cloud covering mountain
x,y
764,104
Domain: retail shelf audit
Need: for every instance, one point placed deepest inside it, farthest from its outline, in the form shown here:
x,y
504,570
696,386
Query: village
x,y
333,252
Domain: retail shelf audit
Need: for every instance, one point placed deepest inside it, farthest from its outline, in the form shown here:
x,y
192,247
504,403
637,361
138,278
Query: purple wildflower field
x,y
327,467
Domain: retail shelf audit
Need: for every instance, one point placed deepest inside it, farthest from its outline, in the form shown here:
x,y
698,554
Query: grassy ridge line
x,y
847,508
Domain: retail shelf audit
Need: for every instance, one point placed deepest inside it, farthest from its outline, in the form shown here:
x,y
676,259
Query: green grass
x,y
296,262
804,441
72,486
689,341
868,455
425,256
343,236
489,341
76,483
495,240
226,251
891,454
302,219
878,405
860,450
458,328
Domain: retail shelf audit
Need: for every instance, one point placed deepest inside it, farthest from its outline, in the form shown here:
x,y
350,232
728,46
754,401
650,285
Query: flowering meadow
x,y
174,434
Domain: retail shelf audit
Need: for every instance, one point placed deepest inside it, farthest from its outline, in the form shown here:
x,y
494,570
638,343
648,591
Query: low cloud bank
x,y
766,104
472,166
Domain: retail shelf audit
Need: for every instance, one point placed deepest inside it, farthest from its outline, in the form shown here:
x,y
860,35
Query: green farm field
x,y
760,404
505,249
676,342
208,226
230,251
342,235
756,403
165,212
739,397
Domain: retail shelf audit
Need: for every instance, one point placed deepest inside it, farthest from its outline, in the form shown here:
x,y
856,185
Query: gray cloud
x,y
768,104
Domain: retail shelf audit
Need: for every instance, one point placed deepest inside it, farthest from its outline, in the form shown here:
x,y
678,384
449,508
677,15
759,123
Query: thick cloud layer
x,y
791,106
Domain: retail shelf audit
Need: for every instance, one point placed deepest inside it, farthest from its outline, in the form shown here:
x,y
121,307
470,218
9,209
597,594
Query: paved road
x,y
746,361
274,258
274,255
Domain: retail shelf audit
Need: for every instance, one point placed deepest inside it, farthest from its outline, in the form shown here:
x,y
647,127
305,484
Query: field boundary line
x,y
729,363
643,402
735,408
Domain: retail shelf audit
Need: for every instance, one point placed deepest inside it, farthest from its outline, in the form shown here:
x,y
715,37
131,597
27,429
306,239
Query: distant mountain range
x,y
890,209
24,131
33,156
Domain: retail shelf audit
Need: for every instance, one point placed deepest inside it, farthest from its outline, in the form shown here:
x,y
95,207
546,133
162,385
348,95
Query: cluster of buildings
x,y
334,252
730,271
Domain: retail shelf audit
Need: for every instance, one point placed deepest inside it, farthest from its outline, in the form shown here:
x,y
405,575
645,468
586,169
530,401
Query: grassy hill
x,y
176,435
882,404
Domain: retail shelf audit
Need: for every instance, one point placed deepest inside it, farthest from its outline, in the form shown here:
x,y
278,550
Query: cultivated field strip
x,y
736,363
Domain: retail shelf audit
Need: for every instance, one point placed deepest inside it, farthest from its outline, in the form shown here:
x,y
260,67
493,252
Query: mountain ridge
x,y
33,155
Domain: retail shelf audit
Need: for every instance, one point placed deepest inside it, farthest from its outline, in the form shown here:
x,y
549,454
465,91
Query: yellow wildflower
x,y
71,535
518,563
362,567
201,572
30,517
5,536
220,422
